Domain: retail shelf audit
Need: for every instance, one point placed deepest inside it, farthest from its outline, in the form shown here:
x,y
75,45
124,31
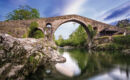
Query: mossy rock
x,y
54,47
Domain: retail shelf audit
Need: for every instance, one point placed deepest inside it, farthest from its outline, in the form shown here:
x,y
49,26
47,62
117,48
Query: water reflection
x,y
94,66
70,68
115,74
82,65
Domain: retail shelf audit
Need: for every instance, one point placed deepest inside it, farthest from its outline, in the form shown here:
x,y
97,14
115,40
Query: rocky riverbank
x,y
19,57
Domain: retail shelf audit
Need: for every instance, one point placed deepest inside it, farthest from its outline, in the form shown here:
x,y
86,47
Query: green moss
x,y
104,37
25,35
31,59
33,62
114,36
1,48
54,47
9,33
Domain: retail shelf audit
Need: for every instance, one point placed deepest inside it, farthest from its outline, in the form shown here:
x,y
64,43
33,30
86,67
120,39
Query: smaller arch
x,y
95,28
36,33
48,25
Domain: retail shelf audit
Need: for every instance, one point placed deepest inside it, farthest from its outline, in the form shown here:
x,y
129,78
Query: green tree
x,y
60,41
123,23
92,31
23,13
78,38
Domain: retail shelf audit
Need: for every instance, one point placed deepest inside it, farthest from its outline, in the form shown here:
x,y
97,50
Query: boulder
x,y
21,56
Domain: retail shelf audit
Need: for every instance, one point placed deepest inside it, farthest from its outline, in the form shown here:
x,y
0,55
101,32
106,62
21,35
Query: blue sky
x,y
102,10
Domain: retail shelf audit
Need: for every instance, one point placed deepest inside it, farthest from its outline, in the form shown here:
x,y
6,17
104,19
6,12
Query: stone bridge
x,y
18,28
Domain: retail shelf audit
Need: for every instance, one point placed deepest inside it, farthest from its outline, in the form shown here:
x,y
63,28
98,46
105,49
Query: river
x,y
83,65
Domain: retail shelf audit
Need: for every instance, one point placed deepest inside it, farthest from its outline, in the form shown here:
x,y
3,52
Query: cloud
x,y
74,7
118,13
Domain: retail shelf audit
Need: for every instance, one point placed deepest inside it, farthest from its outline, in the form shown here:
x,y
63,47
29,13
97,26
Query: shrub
x,y
34,32
120,39
114,46
119,42
38,34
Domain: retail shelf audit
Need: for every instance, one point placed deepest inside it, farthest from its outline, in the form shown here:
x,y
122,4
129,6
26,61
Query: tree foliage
x,y
123,23
23,13
77,38
121,39
60,41
92,31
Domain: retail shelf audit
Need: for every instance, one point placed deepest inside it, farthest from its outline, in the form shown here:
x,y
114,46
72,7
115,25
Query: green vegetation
x,y
120,39
92,32
1,47
25,35
31,59
128,28
9,33
33,31
78,38
38,34
23,13
118,42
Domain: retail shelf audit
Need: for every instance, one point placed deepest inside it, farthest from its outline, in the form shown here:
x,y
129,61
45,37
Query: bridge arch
x,y
85,26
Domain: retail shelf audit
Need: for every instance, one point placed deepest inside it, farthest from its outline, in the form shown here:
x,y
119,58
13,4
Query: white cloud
x,y
118,13
117,19
74,8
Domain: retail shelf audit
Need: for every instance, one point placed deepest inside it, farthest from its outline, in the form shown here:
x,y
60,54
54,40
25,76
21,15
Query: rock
x,y
19,57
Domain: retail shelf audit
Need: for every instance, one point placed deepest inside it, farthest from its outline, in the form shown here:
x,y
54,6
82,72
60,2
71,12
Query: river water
x,y
83,65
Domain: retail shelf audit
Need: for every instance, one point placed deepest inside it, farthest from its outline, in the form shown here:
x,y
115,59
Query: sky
x,y
106,11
